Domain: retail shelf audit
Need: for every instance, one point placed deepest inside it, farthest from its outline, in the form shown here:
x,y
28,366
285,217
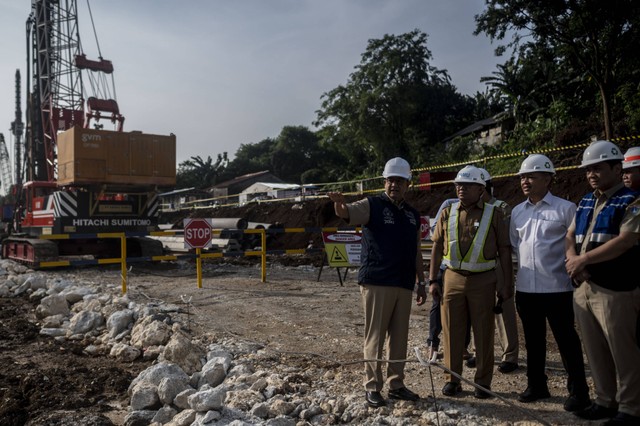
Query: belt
x,y
469,273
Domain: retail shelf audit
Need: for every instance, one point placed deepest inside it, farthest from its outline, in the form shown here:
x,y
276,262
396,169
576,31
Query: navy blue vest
x,y
389,244
615,274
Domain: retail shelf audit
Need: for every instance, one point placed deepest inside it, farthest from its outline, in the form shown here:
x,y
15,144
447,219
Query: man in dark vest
x,y
602,252
391,265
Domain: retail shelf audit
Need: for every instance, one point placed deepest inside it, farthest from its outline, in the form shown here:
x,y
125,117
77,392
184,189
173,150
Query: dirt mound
x,y
318,213
51,380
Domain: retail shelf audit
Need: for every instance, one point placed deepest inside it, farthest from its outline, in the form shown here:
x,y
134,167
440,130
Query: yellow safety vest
x,y
473,260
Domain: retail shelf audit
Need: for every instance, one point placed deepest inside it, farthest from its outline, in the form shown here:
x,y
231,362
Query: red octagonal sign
x,y
197,233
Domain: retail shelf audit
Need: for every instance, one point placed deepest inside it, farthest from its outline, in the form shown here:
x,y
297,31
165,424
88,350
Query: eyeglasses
x,y
396,180
467,185
529,177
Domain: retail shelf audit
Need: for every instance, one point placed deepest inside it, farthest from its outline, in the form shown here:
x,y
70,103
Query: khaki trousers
x,y
386,327
607,320
506,323
469,298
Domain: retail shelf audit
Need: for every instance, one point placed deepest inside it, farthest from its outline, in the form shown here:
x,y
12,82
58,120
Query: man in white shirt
x,y
543,287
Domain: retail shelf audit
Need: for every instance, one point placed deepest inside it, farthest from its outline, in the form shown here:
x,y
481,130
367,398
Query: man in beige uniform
x,y
506,322
469,236
602,256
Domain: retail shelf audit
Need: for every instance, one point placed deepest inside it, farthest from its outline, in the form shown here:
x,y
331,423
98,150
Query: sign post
x,y
425,227
197,235
342,249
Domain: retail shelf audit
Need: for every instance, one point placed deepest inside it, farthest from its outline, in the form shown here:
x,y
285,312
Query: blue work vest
x,y
615,274
389,244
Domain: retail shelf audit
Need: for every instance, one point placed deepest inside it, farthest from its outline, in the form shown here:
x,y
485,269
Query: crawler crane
x,y
81,179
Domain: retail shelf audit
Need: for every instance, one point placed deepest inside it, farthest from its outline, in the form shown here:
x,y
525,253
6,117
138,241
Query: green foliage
x,y
250,158
585,37
296,150
395,103
199,173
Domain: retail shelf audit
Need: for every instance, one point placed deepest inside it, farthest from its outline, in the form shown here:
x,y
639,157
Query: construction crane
x,y
5,168
80,178
17,129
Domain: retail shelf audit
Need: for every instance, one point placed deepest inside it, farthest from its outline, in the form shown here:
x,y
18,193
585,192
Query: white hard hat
x,y
470,174
397,167
601,151
631,158
484,174
536,163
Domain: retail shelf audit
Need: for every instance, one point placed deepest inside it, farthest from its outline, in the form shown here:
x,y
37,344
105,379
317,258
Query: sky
x,y
221,73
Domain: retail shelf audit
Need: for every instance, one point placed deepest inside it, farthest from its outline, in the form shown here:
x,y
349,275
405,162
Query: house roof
x,y
256,187
240,179
178,191
475,127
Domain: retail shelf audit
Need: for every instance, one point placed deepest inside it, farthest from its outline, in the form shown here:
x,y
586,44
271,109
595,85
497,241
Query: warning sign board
x,y
343,248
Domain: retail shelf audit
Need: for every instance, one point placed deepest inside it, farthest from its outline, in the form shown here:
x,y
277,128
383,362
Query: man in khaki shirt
x,y
469,237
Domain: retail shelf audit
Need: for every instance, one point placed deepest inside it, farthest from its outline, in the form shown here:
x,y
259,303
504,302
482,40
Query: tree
x,y
593,36
199,173
250,158
296,150
395,103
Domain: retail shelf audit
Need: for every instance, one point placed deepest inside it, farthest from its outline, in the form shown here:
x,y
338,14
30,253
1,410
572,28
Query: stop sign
x,y
425,227
197,233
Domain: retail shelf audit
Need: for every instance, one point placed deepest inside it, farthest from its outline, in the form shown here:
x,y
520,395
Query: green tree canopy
x,y
395,103
199,173
250,158
296,150
597,38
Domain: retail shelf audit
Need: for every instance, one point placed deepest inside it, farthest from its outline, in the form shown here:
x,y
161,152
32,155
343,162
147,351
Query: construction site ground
x,y
305,317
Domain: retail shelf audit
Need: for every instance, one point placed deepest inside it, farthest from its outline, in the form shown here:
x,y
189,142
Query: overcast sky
x,y
220,73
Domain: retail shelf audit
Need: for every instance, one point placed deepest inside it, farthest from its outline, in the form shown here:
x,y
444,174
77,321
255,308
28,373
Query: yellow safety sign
x,y
343,248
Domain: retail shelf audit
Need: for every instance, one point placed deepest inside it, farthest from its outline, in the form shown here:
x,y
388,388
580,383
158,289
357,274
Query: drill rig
x,y
81,179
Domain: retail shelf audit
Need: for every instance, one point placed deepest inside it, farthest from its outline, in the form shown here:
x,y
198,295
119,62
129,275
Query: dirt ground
x,y
305,317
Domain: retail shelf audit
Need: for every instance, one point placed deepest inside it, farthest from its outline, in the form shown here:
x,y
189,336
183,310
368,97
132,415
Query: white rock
x,y
182,399
184,418
210,417
170,387
164,415
53,332
119,321
75,294
180,350
141,417
85,321
155,373
123,352
144,396
211,399
149,333
52,305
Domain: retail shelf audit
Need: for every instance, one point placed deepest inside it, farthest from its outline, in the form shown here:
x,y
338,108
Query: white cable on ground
x,y
475,385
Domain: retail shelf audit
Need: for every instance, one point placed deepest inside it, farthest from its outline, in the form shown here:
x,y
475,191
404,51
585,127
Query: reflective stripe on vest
x,y
474,260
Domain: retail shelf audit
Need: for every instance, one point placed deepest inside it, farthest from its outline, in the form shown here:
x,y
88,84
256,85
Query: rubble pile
x,y
195,382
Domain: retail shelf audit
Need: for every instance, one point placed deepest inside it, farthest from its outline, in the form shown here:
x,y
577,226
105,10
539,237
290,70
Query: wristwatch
x,y
434,282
